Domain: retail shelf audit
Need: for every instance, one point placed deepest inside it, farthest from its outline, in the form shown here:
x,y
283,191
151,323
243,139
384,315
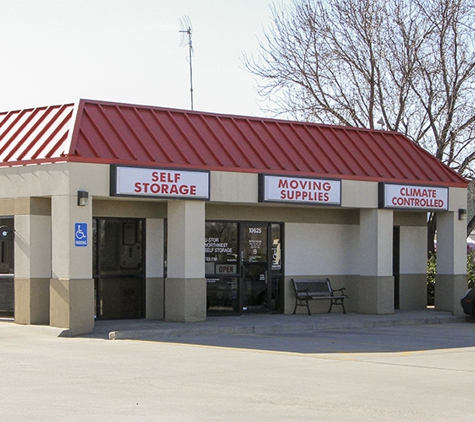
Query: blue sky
x,y
57,51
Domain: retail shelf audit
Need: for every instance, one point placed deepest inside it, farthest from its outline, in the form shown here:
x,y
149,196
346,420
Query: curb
x,y
271,327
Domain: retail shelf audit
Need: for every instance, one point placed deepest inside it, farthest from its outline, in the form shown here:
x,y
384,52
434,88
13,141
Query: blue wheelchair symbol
x,y
80,234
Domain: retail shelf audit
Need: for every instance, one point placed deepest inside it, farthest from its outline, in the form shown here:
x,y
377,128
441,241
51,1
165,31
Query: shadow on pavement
x,y
405,332
373,340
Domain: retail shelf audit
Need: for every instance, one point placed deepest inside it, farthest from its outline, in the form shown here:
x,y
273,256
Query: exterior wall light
x,y
462,213
82,198
6,233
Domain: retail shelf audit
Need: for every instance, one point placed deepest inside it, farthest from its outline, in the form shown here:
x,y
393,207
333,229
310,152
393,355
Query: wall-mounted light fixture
x,y
462,213
82,198
6,233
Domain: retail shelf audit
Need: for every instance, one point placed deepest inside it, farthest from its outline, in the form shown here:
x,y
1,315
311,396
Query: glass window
x,y
276,247
221,261
221,248
6,249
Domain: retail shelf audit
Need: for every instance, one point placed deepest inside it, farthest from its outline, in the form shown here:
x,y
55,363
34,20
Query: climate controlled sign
x,y
299,190
426,198
160,183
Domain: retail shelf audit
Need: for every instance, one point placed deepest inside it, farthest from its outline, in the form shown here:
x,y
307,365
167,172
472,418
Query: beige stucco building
x,y
126,211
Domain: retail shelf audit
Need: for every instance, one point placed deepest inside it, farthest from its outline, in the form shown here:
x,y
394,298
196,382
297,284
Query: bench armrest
x,y
342,290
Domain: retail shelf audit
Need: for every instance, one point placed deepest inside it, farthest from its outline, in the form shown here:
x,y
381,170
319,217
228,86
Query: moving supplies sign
x,y
152,182
413,197
299,190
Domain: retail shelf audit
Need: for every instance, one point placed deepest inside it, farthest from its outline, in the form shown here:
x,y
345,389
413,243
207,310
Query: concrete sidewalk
x,y
264,323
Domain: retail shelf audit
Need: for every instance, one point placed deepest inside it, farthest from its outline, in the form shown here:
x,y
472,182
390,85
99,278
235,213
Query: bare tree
x,y
408,65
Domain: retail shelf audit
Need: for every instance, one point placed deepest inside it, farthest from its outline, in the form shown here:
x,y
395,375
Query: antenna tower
x,y
185,24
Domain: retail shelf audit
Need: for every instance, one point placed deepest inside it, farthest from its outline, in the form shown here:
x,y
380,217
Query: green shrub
x,y
432,270
471,269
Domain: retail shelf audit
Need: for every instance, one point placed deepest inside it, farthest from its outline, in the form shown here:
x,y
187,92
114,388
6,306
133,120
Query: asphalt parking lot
x,y
413,372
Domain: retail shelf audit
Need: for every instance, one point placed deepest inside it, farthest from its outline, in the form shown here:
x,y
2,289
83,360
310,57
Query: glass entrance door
x,y
7,301
244,267
222,268
254,267
119,268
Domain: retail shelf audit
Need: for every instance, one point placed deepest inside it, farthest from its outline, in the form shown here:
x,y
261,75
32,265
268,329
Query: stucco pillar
x,y
33,263
72,286
451,277
413,268
376,285
154,286
185,286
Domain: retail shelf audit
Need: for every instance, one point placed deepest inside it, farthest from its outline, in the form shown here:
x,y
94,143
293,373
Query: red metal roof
x,y
103,132
35,134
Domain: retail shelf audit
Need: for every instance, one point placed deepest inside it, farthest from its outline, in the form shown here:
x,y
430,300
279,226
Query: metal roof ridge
x,y
71,140
230,115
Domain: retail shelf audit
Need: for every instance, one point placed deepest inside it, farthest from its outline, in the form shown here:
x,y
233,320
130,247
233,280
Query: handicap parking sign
x,y
80,234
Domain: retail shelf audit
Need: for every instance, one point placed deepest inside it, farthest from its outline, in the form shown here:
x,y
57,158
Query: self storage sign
x,y
299,190
162,183
427,198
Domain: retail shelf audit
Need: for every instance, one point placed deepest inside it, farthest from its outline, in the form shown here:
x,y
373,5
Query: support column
x,y
413,268
451,277
154,269
376,286
185,286
72,285
33,263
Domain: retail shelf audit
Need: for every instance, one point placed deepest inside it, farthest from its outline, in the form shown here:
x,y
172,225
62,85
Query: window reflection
x,y
244,267
221,263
